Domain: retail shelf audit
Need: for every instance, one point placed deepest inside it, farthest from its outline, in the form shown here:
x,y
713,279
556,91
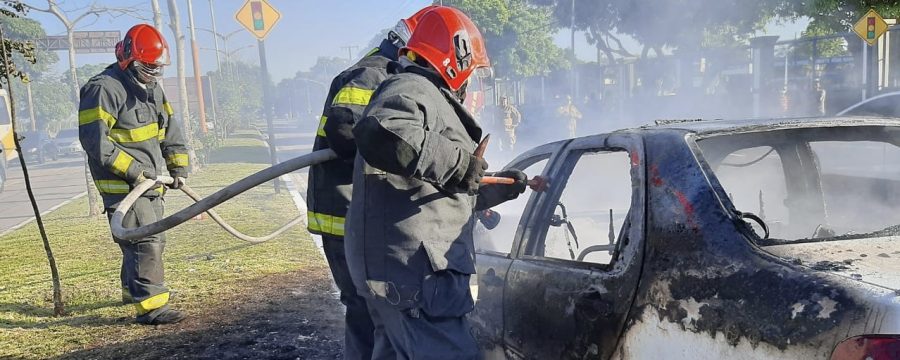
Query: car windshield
x,y
817,183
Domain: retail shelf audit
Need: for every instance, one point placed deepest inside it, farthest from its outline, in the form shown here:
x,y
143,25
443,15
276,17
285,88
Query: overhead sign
x,y
870,27
85,42
258,17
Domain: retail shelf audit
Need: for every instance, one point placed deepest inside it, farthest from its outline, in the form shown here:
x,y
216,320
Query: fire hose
x,y
206,204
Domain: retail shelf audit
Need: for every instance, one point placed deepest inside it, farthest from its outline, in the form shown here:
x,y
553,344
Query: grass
x,y
206,269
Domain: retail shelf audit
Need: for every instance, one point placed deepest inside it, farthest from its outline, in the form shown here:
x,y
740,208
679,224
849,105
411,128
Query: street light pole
x,y
212,92
197,79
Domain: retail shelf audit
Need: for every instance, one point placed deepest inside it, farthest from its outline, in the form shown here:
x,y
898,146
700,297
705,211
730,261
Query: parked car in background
x,y
758,239
67,142
38,146
7,145
887,105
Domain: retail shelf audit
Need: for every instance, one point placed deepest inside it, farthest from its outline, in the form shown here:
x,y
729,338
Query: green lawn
x,y
205,267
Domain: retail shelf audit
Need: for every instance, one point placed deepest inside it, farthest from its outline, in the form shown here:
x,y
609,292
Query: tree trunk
x,y
31,106
58,307
157,14
175,24
94,204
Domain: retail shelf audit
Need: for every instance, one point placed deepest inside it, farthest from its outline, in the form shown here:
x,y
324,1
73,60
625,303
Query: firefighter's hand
x,y
519,187
471,179
178,183
143,176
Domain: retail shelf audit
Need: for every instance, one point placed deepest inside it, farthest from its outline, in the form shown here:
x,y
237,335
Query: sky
x,y
307,29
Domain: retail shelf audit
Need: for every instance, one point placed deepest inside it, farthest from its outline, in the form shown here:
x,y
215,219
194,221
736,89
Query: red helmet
x,y
401,33
448,40
146,46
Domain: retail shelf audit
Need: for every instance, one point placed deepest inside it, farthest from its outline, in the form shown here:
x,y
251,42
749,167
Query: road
x,y
54,183
57,182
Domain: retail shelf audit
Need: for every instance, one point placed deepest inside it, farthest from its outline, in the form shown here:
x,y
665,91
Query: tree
x,y
518,36
25,29
835,16
13,10
240,96
685,25
175,24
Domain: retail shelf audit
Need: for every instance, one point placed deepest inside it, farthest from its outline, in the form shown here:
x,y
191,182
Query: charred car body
x,y
721,239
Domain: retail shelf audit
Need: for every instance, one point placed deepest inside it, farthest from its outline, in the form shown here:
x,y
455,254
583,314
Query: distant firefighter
x,y
511,119
569,111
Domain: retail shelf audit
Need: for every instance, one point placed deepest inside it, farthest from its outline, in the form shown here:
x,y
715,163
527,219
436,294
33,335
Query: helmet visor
x,y
148,73
400,34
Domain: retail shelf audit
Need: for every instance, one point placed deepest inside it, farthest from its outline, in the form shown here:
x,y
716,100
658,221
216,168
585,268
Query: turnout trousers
x,y
358,329
438,330
142,272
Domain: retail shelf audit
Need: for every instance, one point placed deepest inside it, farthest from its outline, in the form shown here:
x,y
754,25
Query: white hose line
x,y
206,204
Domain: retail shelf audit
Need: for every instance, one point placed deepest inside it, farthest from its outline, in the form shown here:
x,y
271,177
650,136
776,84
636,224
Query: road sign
x,y
258,17
870,27
85,42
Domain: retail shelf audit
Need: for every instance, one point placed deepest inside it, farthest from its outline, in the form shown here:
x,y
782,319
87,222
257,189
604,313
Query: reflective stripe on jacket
x,y
126,129
329,187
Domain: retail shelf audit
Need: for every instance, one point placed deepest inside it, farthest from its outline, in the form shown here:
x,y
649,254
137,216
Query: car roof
x,y
715,127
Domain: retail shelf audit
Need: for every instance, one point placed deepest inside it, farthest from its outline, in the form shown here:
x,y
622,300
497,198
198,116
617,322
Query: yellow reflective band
x,y
373,52
181,160
321,130
140,134
162,135
326,224
168,108
90,115
122,163
353,96
112,186
152,303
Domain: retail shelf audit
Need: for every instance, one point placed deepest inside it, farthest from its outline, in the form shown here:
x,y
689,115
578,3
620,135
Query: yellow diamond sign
x,y
258,17
870,27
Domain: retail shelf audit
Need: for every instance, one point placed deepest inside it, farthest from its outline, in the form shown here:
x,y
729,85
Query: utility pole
x,y
574,58
157,14
31,106
212,92
198,80
350,51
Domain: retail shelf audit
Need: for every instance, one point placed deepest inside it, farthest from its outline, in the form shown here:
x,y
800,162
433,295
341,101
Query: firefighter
x,y
330,183
409,241
570,112
129,133
511,119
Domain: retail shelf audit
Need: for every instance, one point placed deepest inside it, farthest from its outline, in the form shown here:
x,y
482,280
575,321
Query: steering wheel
x,y
756,219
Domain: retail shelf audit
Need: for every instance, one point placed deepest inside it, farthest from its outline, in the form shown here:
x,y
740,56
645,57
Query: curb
x,y
44,213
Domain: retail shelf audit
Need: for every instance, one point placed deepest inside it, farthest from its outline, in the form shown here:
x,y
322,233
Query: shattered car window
x,y
812,183
592,209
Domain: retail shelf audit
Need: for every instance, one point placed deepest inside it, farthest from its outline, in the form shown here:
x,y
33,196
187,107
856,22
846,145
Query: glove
x,y
496,194
519,187
178,183
143,176
471,179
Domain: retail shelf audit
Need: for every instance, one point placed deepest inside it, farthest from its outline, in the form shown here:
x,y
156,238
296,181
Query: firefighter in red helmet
x,y
330,183
416,183
129,133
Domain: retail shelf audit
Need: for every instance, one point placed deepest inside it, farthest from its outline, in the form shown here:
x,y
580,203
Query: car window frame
x,y
544,203
548,152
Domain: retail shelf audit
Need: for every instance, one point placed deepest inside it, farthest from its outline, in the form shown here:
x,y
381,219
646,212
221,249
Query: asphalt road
x,y
54,183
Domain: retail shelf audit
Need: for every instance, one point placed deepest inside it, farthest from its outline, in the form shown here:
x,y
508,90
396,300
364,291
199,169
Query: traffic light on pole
x,y
256,10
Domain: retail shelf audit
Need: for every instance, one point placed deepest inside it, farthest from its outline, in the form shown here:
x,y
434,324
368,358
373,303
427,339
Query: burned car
x,y
761,239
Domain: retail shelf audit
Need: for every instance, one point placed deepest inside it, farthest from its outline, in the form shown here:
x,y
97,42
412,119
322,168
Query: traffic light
x,y
256,10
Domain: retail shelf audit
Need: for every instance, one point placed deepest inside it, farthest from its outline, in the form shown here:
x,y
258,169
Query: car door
x,y
493,248
574,275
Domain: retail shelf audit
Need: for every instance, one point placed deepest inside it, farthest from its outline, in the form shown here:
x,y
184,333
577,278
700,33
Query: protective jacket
x,y
127,129
329,188
415,141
